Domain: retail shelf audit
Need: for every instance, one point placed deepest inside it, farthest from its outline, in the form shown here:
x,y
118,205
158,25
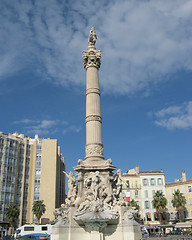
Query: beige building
x,y
131,185
185,187
30,170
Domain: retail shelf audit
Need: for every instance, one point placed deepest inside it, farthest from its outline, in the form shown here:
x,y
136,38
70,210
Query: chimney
x,y
137,169
183,179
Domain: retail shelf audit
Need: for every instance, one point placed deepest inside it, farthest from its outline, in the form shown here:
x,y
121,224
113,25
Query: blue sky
x,y
145,78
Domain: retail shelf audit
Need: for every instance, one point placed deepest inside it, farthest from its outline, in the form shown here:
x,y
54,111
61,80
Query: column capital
x,y
92,58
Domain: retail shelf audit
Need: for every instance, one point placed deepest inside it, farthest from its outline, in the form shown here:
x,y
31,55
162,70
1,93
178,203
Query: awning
x,y
184,225
148,215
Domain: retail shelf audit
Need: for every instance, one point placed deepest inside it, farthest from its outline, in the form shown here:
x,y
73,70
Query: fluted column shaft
x,y
94,147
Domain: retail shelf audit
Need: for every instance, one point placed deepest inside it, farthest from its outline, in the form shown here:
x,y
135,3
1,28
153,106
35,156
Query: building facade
x,y
132,186
30,170
151,181
185,187
142,186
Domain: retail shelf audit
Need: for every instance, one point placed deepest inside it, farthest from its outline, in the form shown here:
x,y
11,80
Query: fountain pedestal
x,y
125,227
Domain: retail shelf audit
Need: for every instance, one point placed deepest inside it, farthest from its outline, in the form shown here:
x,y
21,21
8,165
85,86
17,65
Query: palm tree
x,y
179,202
38,209
159,203
12,214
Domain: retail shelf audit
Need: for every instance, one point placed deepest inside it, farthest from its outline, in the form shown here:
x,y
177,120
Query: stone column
x,y
91,62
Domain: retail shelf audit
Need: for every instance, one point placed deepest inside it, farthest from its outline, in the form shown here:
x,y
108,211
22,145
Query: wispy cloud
x,y
142,42
175,116
45,127
72,129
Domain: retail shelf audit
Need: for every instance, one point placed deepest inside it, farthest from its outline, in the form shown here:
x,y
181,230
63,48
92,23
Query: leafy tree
x,y
12,214
133,203
38,209
179,202
137,216
159,203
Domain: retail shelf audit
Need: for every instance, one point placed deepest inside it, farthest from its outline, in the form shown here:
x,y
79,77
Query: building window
x,y
182,189
169,192
148,216
153,193
152,181
160,181
127,183
189,189
156,216
136,193
146,204
135,183
146,193
145,182
190,201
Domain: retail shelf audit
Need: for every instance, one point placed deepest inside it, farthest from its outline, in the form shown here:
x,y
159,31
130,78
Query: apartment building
x,y
151,181
142,186
30,169
132,186
185,187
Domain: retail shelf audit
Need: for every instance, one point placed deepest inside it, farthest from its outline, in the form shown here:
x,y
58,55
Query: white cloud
x,y
25,121
72,129
46,127
142,42
169,111
175,117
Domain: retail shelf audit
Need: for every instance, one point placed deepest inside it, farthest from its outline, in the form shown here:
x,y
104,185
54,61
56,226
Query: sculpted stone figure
x,y
72,189
92,37
106,195
117,183
95,185
130,214
61,214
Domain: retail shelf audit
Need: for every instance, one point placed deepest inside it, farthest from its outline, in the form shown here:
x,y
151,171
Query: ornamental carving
x,y
98,199
93,118
92,58
92,90
94,150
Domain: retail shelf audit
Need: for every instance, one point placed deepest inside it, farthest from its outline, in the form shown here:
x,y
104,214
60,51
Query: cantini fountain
x,y
95,206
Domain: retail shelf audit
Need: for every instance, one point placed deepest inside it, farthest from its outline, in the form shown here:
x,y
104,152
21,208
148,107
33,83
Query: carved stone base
x,y
124,229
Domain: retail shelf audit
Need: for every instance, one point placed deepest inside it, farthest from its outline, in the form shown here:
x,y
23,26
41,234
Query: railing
x,y
173,237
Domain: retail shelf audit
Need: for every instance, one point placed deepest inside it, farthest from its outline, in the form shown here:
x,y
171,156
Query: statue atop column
x,y
92,37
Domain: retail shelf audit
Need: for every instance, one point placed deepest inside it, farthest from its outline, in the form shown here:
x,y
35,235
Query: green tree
x,y
179,202
38,209
12,214
159,203
133,203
